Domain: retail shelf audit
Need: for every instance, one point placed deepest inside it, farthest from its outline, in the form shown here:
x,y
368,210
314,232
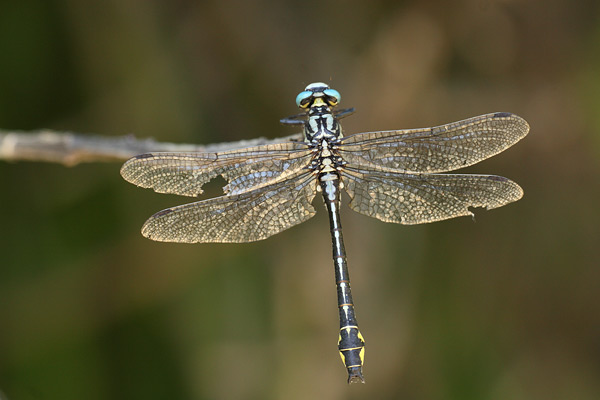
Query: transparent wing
x,y
245,169
439,149
245,217
416,199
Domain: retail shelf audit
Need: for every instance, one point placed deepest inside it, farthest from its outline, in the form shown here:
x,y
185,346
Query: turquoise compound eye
x,y
302,100
333,96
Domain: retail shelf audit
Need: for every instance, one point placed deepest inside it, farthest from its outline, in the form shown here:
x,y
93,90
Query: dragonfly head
x,y
317,94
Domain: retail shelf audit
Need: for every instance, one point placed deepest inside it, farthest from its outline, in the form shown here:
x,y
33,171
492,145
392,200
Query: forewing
x,y
416,199
438,149
245,169
245,217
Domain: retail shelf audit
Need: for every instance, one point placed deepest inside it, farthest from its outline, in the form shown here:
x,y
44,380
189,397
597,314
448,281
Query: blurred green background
x,y
503,308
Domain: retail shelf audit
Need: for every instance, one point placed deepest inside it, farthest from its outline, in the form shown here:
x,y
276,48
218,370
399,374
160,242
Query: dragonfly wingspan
x,y
390,175
245,169
438,149
415,199
239,218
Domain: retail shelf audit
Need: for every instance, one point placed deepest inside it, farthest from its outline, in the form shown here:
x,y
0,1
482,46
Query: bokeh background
x,y
506,307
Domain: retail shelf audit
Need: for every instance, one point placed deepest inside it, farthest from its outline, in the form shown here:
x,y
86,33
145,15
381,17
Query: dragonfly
x,y
395,176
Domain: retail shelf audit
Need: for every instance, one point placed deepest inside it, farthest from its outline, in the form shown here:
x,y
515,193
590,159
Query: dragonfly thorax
x,y
326,159
321,124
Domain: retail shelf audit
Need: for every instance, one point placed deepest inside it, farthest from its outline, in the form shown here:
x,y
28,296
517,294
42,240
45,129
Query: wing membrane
x,y
245,217
245,169
416,199
438,149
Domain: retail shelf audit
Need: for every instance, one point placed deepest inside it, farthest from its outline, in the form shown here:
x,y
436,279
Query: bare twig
x,y
72,148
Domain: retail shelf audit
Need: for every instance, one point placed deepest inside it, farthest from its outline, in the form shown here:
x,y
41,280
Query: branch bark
x,y
70,149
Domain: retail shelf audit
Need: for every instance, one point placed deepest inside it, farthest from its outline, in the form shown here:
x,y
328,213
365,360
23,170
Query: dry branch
x,y
69,148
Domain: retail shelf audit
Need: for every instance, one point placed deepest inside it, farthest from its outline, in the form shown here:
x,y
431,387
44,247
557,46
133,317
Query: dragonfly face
x,y
395,176
320,91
